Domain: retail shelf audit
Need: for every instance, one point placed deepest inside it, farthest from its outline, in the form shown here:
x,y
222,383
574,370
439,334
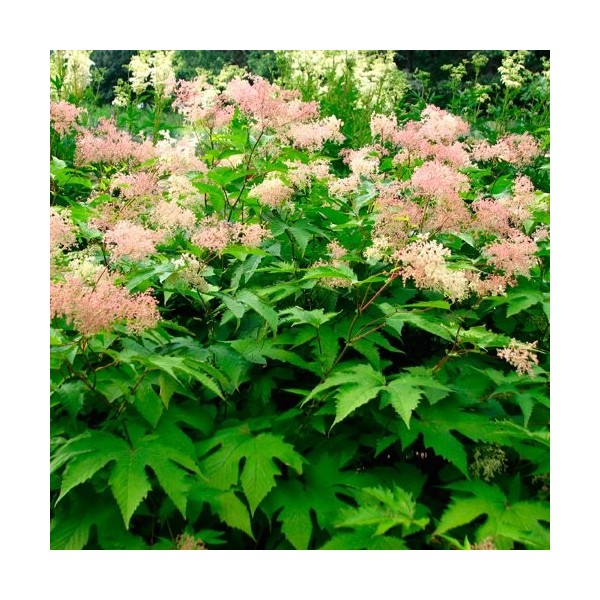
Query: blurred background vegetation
x,y
113,65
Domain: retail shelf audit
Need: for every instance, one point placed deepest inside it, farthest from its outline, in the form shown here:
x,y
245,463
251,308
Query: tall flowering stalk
x,y
151,78
70,73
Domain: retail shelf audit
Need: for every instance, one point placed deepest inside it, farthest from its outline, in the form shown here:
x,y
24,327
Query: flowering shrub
x,y
266,337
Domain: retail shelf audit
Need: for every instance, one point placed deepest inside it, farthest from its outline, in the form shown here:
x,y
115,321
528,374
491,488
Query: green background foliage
x,y
271,409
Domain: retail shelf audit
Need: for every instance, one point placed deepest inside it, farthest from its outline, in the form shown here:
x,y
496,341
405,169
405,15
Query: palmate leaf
x,y
73,519
436,424
383,509
174,366
258,474
232,511
356,385
299,316
168,452
225,504
404,397
264,310
363,539
351,397
296,523
341,271
85,455
129,482
519,521
324,479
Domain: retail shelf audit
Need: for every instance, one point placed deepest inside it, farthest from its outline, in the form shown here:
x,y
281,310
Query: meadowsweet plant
x,y
70,74
267,333
351,85
151,80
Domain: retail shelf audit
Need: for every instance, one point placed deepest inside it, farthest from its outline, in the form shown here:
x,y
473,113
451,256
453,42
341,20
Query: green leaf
x,y
489,499
326,346
237,308
225,504
325,271
520,523
383,509
168,385
71,395
295,520
166,451
302,236
356,386
404,397
289,357
480,337
86,455
517,522
298,316
432,325
129,482
349,398
442,304
163,270
72,522
70,531
148,403
363,539
266,312
324,479
233,511
222,467
194,368
258,474
520,303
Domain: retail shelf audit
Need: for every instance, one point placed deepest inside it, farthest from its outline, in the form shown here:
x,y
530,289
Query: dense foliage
x,y
311,314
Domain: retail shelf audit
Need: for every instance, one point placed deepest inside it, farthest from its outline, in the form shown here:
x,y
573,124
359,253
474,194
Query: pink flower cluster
x,y
269,104
364,161
518,150
178,156
91,309
271,192
431,202
513,256
424,262
130,240
440,126
141,184
521,356
340,188
488,284
62,233
437,180
397,219
109,145
312,136
384,127
490,216
519,204
434,137
179,187
216,235
200,103
301,174
63,116
169,216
